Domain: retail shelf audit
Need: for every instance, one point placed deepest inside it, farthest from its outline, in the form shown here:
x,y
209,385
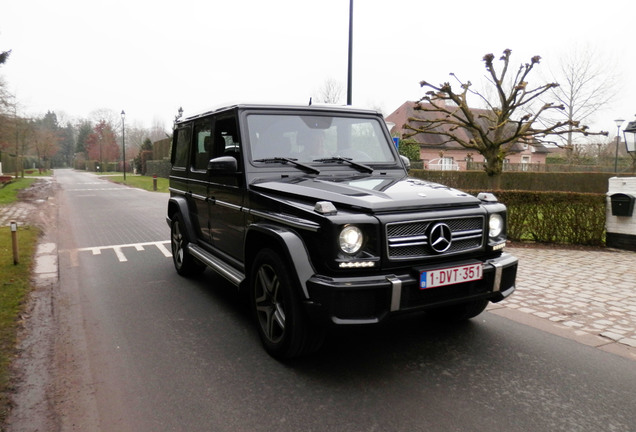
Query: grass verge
x,y
15,284
141,182
9,192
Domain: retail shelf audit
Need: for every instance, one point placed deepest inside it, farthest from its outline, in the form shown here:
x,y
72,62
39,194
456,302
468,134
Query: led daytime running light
x,y
357,264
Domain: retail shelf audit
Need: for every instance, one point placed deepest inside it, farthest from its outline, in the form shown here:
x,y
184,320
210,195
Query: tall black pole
x,y
349,71
123,139
619,123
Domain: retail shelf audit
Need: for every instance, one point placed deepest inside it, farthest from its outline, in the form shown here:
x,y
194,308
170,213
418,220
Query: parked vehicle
x,y
311,213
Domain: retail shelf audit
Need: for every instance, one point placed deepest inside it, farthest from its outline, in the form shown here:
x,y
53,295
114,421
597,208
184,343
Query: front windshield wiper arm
x,y
361,167
295,162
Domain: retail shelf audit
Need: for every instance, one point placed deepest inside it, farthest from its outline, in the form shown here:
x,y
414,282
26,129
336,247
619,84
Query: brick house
x,y
437,155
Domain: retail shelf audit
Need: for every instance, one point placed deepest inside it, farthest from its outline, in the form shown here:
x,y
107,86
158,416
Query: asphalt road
x,y
143,349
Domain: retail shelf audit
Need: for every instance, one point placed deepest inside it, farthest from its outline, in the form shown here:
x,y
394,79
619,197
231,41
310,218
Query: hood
x,y
375,193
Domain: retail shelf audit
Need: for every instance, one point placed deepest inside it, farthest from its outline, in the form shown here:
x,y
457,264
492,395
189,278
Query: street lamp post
x,y
179,115
123,139
618,122
350,57
630,141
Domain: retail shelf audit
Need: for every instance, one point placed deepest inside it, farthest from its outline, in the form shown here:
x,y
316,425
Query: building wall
x,y
460,156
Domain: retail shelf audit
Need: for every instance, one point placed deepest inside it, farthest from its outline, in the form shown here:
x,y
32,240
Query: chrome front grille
x,y
409,240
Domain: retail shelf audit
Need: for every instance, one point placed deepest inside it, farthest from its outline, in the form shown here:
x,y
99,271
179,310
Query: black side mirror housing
x,y
223,165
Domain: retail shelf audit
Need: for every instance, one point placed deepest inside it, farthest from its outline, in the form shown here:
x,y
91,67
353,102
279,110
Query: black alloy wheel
x,y
184,263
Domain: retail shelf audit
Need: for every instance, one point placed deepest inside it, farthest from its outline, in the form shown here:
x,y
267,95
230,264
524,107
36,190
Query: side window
x,y
202,144
226,138
181,145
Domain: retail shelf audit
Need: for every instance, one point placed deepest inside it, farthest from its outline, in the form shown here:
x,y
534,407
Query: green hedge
x,y
555,217
564,182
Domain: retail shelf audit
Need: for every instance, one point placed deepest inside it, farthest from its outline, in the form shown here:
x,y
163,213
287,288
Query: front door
x,y
227,192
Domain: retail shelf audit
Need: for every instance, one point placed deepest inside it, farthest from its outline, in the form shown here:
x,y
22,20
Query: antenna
x,y
309,101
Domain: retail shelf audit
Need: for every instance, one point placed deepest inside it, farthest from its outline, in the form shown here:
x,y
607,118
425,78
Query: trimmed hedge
x,y
528,181
555,217
160,168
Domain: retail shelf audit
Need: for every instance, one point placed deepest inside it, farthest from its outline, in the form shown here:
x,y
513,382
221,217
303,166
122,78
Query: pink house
x,y
437,155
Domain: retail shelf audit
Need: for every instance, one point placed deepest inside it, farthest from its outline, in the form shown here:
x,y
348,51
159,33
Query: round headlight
x,y
495,225
350,239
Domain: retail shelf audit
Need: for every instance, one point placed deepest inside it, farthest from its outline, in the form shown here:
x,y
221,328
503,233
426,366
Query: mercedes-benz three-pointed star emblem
x,y
440,237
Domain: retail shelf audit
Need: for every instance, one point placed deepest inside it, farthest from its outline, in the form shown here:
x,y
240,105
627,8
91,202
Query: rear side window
x,y
182,143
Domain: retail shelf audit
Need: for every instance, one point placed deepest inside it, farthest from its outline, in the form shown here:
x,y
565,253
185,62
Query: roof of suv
x,y
313,107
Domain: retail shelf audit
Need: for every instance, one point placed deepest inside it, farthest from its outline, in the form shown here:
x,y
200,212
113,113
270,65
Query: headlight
x,y
350,239
495,225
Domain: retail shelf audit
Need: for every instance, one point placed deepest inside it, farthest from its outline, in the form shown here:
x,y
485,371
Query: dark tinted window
x,y
226,138
182,143
202,144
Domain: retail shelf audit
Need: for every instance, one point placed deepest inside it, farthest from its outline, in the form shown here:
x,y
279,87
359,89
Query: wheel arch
x,y
180,205
287,243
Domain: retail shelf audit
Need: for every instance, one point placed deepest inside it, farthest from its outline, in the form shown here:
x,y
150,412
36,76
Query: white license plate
x,y
451,276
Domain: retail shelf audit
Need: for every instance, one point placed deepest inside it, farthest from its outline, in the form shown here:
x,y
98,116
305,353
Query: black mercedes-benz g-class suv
x,y
310,211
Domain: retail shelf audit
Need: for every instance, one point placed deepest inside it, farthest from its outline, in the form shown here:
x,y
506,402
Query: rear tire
x,y
274,296
184,263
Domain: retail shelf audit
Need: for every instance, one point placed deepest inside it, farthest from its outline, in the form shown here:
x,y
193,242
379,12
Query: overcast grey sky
x,y
150,57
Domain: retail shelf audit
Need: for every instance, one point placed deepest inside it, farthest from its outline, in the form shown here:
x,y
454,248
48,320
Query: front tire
x,y
184,263
282,325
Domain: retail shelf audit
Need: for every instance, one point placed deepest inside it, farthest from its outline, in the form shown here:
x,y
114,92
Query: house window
x,y
525,162
447,163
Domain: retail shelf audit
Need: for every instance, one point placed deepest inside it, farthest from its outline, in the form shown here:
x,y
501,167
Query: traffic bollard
x,y
14,241
154,182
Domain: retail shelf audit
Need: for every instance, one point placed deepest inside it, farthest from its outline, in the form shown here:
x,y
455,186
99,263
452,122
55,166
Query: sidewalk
x,y
591,292
589,295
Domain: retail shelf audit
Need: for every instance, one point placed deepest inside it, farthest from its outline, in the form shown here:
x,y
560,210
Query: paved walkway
x,y
588,291
584,293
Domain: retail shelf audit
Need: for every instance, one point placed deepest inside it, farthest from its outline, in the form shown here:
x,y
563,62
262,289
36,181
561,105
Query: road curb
x,y
547,326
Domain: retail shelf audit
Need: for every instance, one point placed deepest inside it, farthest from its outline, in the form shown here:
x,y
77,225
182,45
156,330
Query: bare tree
x,y
330,92
587,85
45,143
512,115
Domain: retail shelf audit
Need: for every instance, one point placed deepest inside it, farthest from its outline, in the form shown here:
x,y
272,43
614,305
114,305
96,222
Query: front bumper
x,y
371,299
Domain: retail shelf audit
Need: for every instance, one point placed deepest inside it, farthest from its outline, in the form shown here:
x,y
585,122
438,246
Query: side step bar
x,y
228,272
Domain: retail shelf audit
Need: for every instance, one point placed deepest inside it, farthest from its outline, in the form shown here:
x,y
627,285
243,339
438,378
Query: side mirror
x,y
406,162
223,165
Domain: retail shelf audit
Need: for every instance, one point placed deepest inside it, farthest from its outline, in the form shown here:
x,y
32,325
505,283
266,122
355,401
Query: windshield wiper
x,y
361,167
295,162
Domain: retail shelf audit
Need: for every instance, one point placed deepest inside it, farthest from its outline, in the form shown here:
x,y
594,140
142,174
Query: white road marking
x,y
118,250
164,250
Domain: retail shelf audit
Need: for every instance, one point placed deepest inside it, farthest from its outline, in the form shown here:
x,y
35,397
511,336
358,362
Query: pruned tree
x,y
512,114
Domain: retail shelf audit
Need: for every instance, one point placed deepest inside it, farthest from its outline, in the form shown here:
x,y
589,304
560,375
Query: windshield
x,y
318,139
